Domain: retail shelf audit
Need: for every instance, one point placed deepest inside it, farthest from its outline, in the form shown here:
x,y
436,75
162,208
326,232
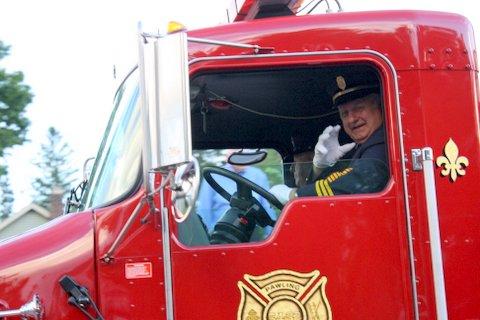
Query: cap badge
x,y
341,83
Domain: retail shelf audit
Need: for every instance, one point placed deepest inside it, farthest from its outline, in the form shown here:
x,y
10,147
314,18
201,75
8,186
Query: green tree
x,y
55,169
273,167
6,195
14,97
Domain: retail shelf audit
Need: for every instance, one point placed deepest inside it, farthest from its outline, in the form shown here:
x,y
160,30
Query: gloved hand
x,y
281,192
328,150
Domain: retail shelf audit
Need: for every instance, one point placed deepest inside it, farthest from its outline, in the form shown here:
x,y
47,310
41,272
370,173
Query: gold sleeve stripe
x,y
322,187
317,188
327,187
334,176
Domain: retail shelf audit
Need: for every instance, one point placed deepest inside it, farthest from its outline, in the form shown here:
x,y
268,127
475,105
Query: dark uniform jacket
x,y
364,172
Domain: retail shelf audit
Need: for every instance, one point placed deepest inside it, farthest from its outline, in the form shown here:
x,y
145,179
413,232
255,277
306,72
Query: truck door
x,y
343,257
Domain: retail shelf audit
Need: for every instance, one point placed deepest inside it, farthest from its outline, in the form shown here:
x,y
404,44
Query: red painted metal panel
x,y
34,262
434,56
413,137
354,241
121,297
449,106
358,242
407,38
438,105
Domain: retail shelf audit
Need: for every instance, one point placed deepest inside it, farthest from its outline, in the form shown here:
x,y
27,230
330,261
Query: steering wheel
x,y
244,186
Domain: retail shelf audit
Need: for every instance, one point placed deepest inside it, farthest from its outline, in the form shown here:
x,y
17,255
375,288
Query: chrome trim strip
x,y
178,192
144,96
225,43
256,48
434,231
400,133
167,261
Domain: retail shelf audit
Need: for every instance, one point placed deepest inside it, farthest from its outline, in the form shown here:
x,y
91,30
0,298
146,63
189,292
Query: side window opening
x,y
211,205
287,111
219,204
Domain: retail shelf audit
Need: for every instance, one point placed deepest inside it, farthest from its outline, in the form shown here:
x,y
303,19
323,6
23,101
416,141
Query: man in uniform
x,y
360,110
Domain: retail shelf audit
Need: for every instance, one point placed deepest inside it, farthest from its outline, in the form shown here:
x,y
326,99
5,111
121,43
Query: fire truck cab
x,y
204,108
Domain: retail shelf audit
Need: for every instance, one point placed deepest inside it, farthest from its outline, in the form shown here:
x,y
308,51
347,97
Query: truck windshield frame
x,y
116,171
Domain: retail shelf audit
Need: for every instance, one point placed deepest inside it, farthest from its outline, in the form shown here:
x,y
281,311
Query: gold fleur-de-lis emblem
x,y
453,165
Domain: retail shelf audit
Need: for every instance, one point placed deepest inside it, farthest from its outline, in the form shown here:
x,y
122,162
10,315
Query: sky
x,y
67,51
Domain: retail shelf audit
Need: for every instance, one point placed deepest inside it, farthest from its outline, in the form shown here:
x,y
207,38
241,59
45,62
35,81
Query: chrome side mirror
x,y
184,188
164,86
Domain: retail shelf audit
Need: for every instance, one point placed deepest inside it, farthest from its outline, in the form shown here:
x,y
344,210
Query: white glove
x,y
281,192
328,150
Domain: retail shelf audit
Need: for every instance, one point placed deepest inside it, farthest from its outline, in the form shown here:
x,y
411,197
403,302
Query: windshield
x,y
118,161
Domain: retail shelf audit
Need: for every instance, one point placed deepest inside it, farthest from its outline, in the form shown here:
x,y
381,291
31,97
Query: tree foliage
x,y
55,169
6,194
14,97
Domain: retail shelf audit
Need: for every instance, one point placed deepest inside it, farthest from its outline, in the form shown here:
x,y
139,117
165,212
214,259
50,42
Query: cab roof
x,y
410,39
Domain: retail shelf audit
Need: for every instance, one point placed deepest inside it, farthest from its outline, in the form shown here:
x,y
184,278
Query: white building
x,y
27,218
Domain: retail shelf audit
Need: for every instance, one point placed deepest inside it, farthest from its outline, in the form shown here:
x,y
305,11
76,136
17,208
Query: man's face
x,y
361,117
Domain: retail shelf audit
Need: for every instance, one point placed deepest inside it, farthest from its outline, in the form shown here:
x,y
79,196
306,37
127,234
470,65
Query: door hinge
x,y
417,159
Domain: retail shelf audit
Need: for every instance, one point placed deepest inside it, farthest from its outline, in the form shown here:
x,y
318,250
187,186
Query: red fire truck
x,y
139,246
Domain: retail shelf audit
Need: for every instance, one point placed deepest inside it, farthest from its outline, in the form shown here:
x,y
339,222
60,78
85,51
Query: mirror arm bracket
x,y
147,199
108,257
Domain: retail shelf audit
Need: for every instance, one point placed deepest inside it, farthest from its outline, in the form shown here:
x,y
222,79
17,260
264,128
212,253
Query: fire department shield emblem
x,y
284,295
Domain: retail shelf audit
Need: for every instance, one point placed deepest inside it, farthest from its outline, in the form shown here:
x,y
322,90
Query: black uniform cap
x,y
354,86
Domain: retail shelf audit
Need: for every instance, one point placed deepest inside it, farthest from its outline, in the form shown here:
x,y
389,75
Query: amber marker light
x,y
174,27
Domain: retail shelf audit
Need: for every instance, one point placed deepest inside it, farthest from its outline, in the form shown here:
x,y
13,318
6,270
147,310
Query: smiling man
x,y
357,167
